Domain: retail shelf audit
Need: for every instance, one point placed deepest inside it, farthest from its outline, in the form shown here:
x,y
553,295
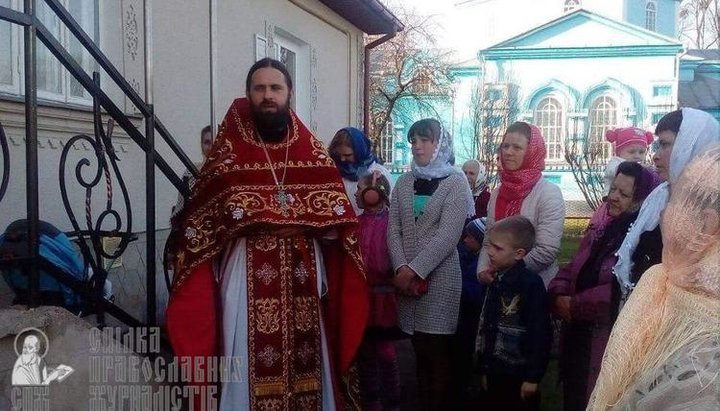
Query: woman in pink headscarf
x,y
523,191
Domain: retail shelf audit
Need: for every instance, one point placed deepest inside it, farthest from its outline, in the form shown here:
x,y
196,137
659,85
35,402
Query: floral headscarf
x,y
364,156
442,165
698,131
517,184
442,162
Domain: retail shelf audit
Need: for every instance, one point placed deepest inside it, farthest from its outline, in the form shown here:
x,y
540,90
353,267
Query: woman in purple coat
x,y
584,292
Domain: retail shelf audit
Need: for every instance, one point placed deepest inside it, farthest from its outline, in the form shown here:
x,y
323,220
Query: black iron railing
x,y
90,232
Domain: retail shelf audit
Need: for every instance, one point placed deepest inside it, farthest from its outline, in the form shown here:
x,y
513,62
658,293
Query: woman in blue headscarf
x,y
352,152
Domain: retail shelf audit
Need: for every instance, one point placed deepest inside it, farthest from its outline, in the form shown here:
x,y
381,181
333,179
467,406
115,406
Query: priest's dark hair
x,y
267,62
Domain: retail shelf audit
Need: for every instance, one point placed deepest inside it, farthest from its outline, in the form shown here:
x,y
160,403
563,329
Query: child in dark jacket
x,y
471,301
516,332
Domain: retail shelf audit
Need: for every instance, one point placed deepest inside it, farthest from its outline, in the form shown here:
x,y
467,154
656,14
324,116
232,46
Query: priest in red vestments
x,y
267,264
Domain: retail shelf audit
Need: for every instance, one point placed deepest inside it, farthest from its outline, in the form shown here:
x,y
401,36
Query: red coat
x,y
481,203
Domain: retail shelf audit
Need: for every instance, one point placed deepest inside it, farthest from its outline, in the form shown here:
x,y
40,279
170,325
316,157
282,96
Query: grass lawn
x,y
572,234
550,388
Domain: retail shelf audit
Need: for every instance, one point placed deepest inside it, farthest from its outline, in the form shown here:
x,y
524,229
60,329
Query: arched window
x,y
571,5
549,118
650,15
603,115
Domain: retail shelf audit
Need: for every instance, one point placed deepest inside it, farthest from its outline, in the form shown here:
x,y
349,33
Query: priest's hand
x,y
528,390
403,279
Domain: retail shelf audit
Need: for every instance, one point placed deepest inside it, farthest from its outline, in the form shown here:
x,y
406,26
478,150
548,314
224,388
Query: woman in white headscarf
x,y
664,351
477,178
682,136
427,214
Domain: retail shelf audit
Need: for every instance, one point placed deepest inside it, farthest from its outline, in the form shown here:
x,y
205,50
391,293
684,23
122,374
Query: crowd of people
x,y
308,264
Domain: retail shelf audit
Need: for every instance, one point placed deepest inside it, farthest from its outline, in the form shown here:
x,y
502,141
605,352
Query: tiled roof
x,y
705,54
370,16
703,92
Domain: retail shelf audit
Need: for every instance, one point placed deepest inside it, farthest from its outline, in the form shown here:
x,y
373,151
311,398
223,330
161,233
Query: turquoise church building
x,y
596,65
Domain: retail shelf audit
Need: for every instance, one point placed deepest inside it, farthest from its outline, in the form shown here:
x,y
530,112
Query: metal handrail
x,y
106,159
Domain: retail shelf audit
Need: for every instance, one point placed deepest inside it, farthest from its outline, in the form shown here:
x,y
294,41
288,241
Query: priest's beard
x,y
271,126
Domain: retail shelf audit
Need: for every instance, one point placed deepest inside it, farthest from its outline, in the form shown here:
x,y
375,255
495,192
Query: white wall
x,y
180,84
333,40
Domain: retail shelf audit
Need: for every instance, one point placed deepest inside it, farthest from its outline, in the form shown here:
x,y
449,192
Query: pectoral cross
x,y
284,199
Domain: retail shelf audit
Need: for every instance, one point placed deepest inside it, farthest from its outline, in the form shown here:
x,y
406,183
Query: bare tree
x,y
587,157
587,152
700,23
408,74
496,106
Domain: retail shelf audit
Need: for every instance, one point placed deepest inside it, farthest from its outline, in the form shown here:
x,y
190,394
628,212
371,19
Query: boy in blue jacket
x,y
516,329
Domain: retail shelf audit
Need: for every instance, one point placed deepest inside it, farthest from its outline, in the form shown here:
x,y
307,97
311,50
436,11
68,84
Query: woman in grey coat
x,y
523,191
427,215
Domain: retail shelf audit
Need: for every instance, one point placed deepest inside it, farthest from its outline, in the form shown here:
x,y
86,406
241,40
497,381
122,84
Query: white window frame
x,y
596,134
40,48
387,143
651,15
88,62
555,141
15,58
18,54
656,87
301,78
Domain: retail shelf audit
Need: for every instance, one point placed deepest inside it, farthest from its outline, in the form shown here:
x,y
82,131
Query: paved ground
x,y
406,358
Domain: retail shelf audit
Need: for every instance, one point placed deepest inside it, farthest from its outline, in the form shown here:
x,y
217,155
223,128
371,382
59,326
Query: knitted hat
x,y
630,135
476,229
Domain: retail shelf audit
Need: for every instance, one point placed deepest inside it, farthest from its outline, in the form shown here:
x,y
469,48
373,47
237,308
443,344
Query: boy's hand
x,y
528,390
483,382
487,276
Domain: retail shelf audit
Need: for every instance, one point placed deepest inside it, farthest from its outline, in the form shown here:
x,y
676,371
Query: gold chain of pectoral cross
x,y
283,198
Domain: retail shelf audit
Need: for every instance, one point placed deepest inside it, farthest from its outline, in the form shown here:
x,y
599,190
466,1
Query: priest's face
x,y
270,95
